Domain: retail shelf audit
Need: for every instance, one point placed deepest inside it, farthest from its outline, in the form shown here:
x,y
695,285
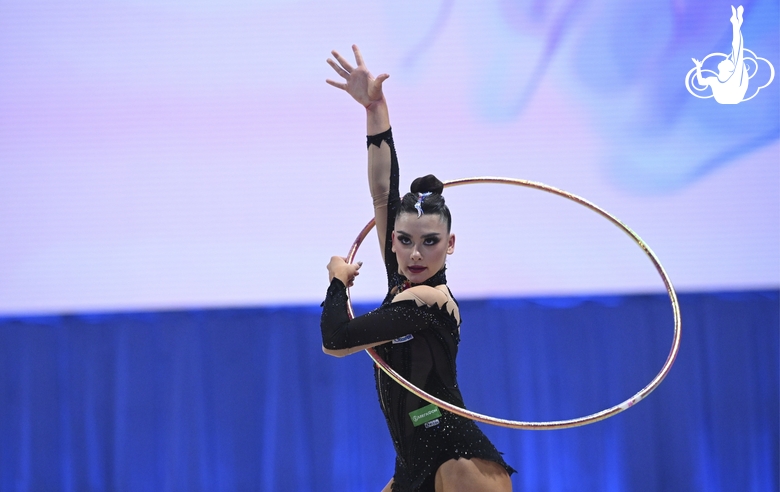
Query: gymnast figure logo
x,y
730,84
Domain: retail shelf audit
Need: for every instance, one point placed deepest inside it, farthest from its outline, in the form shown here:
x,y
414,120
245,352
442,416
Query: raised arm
x,y
367,90
702,81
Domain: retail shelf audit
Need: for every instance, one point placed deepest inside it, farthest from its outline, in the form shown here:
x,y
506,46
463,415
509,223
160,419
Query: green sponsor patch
x,y
425,414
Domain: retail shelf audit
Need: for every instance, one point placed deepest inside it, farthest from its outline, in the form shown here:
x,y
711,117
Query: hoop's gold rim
x,y
557,424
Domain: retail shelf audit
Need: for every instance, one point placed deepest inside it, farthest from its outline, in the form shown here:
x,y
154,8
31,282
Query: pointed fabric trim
x,y
385,136
442,312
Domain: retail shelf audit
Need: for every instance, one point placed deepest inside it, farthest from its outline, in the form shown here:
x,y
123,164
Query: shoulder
x,y
423,294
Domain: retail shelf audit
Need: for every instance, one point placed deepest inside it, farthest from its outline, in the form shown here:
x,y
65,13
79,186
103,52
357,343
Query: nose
x,y
416,256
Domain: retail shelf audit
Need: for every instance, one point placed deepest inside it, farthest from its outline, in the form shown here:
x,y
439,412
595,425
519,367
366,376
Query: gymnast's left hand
x,y
340,269
358,81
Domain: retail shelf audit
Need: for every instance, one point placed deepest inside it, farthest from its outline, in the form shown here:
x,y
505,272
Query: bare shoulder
x,y
430,296
423,294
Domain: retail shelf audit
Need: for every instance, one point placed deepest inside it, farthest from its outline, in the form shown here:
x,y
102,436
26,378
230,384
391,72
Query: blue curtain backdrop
x,y
243,399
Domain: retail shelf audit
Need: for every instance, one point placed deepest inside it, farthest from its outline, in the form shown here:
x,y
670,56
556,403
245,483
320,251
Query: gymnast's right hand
x,y
359,83
340,269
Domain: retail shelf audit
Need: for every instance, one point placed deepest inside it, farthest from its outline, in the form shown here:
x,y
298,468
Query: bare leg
x,y
474,475
736,37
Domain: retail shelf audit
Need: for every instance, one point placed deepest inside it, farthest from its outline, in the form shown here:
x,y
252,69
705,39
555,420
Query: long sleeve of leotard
x,y
388,322
383,176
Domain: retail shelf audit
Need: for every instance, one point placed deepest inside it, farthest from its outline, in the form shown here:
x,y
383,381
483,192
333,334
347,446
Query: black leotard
x,y
423,350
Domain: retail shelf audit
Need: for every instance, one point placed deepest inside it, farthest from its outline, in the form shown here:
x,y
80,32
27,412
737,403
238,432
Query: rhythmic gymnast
x,y
417,327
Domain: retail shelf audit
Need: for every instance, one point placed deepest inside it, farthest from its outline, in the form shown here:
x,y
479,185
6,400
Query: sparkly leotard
x,y
422,347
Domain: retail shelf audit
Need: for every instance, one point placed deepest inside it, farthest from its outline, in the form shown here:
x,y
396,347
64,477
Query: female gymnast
x,y
416,329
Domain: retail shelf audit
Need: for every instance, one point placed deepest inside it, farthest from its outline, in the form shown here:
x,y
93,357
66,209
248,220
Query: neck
x,y
438,278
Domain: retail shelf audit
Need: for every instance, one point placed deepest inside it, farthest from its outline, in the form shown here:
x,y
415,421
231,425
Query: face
x,y
421,245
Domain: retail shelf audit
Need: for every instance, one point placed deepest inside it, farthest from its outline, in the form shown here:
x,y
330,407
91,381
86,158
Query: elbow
x,y
334,353
380,194
333,345
333,335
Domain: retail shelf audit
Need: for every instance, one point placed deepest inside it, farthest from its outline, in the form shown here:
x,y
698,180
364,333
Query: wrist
x,y
377,117
377,105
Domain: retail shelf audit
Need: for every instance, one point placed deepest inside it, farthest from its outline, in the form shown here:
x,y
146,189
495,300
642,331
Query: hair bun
x,y
425,184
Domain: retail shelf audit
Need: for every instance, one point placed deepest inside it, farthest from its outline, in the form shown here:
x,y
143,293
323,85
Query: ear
x,y
392,241
451,244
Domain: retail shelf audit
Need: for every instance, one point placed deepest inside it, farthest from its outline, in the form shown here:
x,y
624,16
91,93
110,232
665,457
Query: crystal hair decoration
x,y
418,205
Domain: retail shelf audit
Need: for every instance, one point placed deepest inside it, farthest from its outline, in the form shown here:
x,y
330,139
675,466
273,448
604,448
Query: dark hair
x,y
432,204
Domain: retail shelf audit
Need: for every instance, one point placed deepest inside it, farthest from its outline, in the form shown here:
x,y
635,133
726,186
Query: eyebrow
x,y
430,234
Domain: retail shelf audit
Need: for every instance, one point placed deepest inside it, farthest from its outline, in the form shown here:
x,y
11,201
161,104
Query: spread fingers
x,y
338,69
339,85
358,56
343,61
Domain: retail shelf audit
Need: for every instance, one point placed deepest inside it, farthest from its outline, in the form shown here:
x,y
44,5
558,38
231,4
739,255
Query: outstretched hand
x,y
359,83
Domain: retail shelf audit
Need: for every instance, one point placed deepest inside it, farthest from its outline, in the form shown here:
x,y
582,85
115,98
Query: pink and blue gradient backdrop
x,y
189,154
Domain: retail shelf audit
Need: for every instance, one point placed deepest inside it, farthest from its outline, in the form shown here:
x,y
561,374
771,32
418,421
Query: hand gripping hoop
x,y
557,424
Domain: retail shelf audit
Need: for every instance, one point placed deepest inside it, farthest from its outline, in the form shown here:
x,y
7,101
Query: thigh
x,y
474,474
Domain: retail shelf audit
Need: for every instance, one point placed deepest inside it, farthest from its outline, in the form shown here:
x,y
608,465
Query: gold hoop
x,y
557,424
